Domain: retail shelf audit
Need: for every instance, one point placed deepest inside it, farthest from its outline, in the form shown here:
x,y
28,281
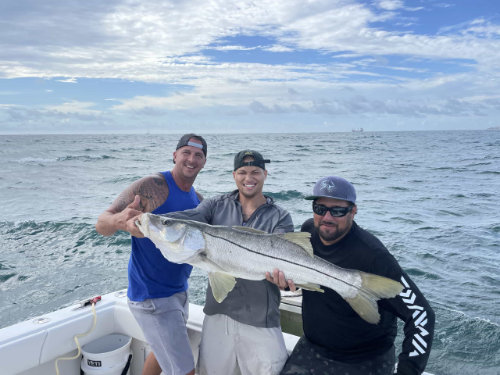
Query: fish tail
x,y
373,288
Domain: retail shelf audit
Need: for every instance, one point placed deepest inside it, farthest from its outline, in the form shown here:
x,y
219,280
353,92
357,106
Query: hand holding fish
x,y
278,278
132,226
120,216
130,215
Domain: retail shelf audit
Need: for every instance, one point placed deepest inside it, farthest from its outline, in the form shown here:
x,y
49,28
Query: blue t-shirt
x,y
150,275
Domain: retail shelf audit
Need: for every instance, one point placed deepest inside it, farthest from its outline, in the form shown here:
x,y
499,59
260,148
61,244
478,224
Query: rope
x,y
76,341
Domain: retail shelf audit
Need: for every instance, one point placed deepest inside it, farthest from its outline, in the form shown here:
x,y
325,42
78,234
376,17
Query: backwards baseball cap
x,y
334,187
257,161
184,141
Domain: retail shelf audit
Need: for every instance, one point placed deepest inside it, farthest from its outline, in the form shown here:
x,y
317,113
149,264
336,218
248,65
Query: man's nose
x,y
329,216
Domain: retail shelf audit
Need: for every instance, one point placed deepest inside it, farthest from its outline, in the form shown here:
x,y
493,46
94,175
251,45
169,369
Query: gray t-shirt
x,y
251,302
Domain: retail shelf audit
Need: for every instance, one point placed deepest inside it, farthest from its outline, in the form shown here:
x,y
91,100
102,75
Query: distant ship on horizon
x,y
358,130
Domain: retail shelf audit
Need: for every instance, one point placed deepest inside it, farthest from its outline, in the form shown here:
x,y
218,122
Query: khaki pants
x,y
232,348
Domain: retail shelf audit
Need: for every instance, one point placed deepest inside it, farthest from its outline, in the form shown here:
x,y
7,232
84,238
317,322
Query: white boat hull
x,y
32,347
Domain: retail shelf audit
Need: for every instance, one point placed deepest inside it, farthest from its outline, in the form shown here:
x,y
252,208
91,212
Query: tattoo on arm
x,y
153,193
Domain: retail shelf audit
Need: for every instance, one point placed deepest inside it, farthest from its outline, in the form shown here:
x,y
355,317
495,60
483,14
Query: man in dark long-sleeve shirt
x,y
336,340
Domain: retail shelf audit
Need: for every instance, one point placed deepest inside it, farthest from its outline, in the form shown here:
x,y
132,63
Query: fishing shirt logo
x,y
419,344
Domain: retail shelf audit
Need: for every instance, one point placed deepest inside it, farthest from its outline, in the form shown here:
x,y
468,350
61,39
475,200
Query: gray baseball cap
x,y
334,187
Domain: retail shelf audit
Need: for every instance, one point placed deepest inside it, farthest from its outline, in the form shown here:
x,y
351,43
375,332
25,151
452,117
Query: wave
x,y
36,161
285,195
44,161
464,344
74,235
489,172
398,188
85,158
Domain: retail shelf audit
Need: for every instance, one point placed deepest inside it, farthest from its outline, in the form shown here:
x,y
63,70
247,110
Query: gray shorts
x,y
163,322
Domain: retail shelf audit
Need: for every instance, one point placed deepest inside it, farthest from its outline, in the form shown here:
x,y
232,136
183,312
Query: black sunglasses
x,y
335,211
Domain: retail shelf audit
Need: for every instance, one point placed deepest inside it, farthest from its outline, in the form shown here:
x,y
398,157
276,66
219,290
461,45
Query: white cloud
x,y
374,69
68,80
133,40
74,107
390,4
278,48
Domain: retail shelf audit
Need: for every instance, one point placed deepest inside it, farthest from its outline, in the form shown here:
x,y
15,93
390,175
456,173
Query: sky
x,y
221,66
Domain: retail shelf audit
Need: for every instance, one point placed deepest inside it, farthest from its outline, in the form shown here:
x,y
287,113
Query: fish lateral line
x,y
288,261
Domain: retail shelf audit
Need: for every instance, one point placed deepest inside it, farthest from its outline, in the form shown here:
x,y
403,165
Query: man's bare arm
x,y
143,195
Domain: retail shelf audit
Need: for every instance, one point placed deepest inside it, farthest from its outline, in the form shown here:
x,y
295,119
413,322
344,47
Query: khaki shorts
x,y
163,322
229,347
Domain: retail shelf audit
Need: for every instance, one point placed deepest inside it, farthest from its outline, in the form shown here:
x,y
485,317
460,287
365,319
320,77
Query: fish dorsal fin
x,y
249,230
300,238
221,284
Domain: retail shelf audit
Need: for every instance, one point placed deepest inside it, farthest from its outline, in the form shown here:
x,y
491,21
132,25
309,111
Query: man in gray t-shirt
x,y
243,334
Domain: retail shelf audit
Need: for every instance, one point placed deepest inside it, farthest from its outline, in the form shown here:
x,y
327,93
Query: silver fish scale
x,y
250,255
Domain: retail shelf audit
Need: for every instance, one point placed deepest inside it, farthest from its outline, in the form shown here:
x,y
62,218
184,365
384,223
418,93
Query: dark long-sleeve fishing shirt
x,y
333,325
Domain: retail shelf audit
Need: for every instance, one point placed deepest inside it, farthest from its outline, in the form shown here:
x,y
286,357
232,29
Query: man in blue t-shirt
x,y
157,290
241,335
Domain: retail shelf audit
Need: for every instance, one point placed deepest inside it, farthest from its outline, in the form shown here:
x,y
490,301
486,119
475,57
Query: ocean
x,y
431,198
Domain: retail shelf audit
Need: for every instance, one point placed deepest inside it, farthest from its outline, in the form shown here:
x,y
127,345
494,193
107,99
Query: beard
x,y
330,233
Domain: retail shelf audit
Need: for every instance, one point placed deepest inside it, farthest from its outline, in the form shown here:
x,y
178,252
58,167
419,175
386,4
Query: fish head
x,y
178,240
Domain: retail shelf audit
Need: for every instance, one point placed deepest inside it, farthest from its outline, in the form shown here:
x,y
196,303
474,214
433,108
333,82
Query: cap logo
x,y
329,186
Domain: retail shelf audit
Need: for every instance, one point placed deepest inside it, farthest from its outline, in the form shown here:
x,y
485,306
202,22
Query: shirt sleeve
x,y
308,226
285,223
201,213
412,307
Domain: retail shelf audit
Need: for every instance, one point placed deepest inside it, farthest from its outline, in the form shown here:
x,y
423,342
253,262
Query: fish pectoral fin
x,y
366,307
249,230
221,284
313,287
303,239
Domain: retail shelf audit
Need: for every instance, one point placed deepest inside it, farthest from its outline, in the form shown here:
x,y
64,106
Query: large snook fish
x,y
229,252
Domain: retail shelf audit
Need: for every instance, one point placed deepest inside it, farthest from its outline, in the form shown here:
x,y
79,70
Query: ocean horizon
x,y
430,196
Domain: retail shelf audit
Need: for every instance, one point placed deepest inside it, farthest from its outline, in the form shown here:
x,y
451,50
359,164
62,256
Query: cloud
x,y
132,40
68,80
220,58
390,4
74,107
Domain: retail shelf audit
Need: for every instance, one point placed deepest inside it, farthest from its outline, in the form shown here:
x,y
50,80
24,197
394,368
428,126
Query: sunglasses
x,y
335,211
